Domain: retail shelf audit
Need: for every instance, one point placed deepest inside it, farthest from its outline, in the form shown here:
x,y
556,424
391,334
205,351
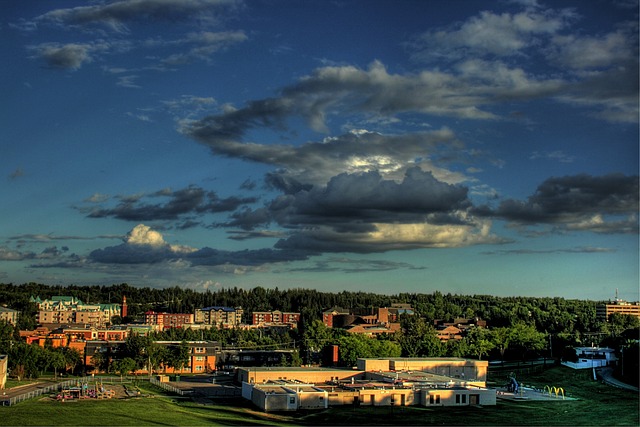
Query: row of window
x,y
434,399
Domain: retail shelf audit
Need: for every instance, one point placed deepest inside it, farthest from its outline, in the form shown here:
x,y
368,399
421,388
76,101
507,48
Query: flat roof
x,y
293,369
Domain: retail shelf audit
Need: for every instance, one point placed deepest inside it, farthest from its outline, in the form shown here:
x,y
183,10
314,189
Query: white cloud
x,y
144,235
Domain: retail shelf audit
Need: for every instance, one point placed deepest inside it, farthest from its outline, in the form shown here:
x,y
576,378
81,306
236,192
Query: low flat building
x,y
605,310
275,387
593,357
279,395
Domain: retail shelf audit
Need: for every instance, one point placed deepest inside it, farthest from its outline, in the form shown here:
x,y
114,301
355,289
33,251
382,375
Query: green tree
x,y
419,339
178,356
26,360
479,342
123,366
56,360
72,358
501,339
527,338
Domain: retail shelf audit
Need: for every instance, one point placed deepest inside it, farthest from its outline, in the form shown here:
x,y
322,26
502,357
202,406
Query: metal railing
x,y
38,392
52,388
169,387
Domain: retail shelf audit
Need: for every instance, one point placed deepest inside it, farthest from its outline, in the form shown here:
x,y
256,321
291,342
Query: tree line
x,y
519,327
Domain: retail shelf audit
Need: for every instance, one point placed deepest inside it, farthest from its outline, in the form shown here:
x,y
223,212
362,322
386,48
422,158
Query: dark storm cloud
x,y
316,162
69,56
353,201
347,265
580,250
244,235
190,200
367,197
127,253
576,202
249,257
133,254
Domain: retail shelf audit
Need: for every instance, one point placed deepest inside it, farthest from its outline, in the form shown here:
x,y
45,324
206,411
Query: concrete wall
x,y
270,400
457,397
311,398
474,371
399,397
258,376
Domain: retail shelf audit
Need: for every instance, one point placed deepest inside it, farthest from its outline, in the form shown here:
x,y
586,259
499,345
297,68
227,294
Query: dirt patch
x,y
94,392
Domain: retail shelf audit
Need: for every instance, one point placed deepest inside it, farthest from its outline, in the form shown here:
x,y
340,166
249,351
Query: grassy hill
x,y
595,404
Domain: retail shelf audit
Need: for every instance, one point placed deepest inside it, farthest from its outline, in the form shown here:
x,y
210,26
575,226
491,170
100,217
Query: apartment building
x,y
225,317
68,309
9,315
202,355
168,320
275,317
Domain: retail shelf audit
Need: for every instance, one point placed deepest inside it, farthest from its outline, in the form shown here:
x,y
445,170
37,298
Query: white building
x,y
593,357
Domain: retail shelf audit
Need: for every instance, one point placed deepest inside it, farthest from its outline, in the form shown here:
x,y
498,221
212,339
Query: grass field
x,y
595,404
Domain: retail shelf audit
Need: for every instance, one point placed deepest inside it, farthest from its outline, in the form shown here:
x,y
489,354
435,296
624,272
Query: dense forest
x,y
552,315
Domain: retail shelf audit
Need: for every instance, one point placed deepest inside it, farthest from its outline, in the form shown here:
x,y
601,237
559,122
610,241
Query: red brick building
x,y
168,320
276,317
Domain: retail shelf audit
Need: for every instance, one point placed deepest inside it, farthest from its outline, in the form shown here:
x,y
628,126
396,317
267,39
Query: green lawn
x,y
596,404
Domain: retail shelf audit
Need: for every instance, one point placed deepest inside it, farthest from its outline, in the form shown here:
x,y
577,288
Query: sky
x,y
467,147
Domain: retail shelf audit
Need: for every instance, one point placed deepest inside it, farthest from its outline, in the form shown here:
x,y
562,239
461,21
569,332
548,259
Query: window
x,y
464,398
457,398
199,358
437,399
292,400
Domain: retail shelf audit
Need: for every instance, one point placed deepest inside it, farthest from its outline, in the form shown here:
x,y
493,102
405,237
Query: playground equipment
x,y
82,391
556,391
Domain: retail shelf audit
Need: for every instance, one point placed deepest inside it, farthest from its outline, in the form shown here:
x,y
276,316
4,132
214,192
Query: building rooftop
x,y
218,308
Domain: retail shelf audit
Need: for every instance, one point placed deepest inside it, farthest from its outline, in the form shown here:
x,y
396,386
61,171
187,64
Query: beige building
x,y
4,362
67,310
375,382
9,315
219,316
603,311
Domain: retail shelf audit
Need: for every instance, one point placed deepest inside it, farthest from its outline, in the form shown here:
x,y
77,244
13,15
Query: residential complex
x,y
9,315
168,320
68,309
276,317
225,317
202,355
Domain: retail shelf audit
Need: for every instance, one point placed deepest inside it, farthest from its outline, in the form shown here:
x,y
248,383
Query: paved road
x,y
607,376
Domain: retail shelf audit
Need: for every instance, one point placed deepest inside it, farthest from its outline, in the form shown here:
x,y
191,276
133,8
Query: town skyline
x,y
487,148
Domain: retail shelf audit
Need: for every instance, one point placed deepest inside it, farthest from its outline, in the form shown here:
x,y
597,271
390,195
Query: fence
x,y
38,392
169,387
51,388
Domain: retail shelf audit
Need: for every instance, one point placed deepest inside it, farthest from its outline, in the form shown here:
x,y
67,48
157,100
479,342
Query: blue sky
x,y
470,147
